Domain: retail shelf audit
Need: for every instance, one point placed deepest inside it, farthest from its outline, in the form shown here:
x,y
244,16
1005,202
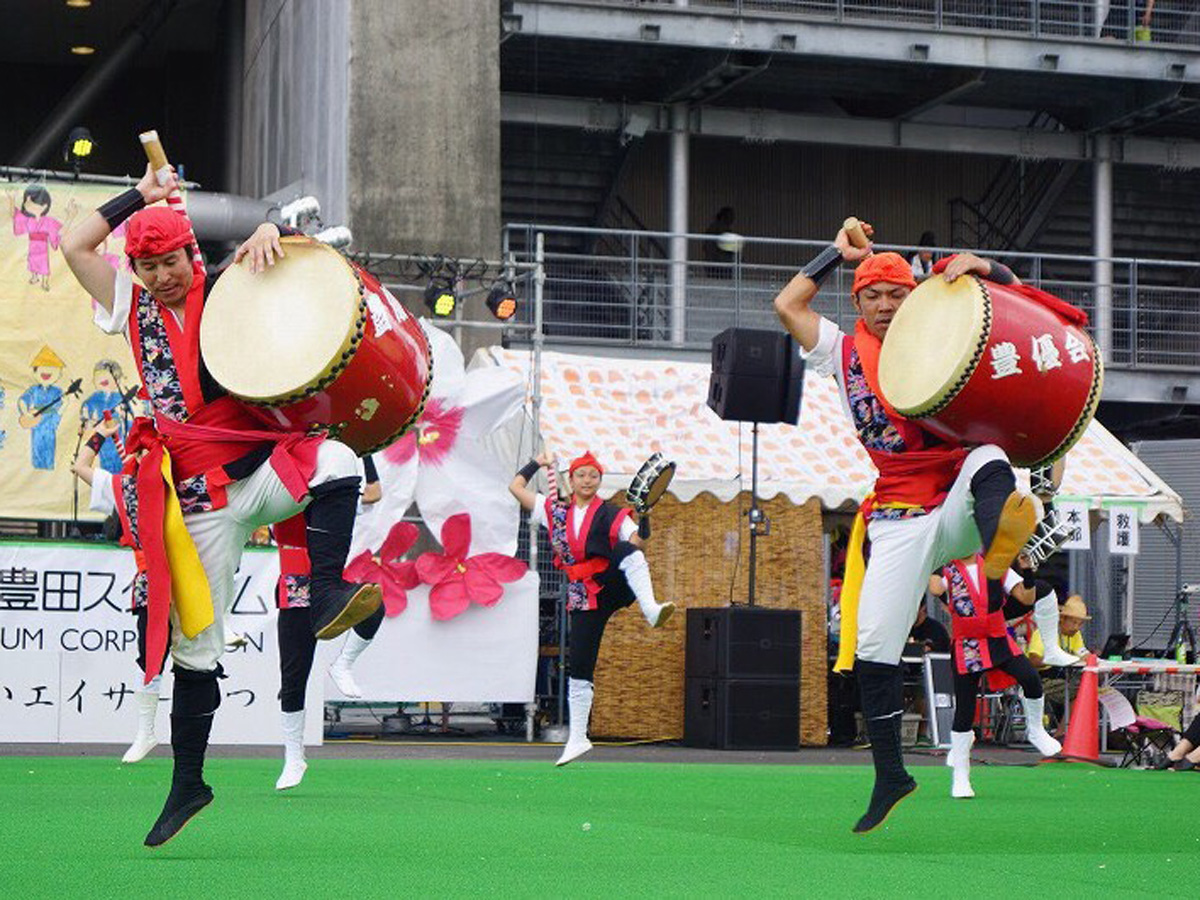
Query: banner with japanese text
x,y
57,370
68,650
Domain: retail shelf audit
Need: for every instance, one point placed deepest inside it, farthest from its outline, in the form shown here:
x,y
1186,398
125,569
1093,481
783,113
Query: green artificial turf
x,y
73,827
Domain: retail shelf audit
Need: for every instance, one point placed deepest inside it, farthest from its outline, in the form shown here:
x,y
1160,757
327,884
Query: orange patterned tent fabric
x,y
625,409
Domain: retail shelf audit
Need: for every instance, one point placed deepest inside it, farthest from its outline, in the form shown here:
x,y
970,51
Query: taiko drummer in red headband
x,y
206,469
597,546
933,501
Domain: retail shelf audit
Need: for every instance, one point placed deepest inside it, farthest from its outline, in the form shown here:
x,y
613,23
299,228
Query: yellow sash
x,y
190,591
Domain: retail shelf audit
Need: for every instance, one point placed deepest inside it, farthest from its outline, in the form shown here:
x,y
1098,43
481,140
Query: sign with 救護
x,y
1123,530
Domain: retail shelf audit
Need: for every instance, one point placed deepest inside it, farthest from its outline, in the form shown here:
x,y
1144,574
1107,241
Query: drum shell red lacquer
x,y
384,384
1032,385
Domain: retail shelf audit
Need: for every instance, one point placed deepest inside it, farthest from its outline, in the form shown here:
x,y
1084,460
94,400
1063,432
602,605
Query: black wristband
x,y
822,264
95,442
1000,273
529,469
369,470
121,207
1028,578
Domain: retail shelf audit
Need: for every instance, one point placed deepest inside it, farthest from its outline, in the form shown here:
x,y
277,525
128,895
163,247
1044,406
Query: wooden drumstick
x,y
157,157
854,231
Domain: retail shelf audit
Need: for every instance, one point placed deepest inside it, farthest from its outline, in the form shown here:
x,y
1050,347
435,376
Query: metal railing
x,y
1170,24
620,293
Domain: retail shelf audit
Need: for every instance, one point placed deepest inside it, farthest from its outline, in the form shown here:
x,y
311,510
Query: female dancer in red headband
x,y
230,467
596,544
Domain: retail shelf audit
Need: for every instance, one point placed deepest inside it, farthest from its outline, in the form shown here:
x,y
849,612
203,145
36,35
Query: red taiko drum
x,y
319,343
981,363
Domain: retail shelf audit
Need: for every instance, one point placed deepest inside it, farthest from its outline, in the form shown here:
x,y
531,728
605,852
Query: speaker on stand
x,y
742,668
757,376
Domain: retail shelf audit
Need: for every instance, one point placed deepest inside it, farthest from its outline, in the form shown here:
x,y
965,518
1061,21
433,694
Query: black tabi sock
x,y
990,487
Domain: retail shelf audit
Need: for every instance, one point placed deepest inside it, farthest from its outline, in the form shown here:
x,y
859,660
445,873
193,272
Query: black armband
x,y
1028,579
822,264
121,207
95,442
369,470
529,469
1000,273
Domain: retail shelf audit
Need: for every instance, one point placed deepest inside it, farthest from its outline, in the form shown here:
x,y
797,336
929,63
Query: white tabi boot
x,y
959,759
637,573
579,704
1045,616
147,709
1035,731
340,670
294,765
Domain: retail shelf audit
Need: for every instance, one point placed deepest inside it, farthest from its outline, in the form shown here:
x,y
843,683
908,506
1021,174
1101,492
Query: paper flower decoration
x,y
457,579
389,571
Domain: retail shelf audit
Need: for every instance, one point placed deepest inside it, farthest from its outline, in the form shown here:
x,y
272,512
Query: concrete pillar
x,y
424,142
1102,248
677,220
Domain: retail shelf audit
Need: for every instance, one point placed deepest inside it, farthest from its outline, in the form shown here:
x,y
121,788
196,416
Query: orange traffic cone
x,y
1083,734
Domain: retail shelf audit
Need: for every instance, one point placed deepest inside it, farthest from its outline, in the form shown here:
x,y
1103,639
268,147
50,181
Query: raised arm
x,y
81,244
793,303
519,485
962,263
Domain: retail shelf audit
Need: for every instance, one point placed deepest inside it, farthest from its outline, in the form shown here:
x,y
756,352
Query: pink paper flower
x,y
395,576
458,579
433,438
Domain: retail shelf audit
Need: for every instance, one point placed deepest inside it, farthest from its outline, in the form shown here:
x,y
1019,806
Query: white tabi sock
x,y
294,765
637,573
146,740
1035,731
340,670
1045,616
959,759
579,705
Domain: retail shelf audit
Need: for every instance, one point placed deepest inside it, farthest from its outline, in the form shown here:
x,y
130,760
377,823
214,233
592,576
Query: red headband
x,y
586,460
889,267
157,230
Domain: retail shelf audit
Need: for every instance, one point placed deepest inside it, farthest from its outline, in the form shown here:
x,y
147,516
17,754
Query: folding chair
x,y
1144,738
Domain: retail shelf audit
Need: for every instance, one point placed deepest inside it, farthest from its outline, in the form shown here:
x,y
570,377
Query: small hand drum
x,y
650,483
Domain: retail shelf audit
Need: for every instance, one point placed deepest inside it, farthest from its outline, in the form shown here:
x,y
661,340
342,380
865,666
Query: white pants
x,y
905,552
220,535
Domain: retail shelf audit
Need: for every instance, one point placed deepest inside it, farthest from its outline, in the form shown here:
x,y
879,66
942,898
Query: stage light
x,y
79,146
83,50
502,301
79,4
441,298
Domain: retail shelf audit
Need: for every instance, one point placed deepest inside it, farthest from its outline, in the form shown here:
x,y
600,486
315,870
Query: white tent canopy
x,y
625,409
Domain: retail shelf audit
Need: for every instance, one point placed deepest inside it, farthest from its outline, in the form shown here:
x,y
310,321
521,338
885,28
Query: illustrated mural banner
x,y
57,370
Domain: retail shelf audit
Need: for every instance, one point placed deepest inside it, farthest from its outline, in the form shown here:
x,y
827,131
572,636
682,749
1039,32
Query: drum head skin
x,y
658,487
265,337
933,343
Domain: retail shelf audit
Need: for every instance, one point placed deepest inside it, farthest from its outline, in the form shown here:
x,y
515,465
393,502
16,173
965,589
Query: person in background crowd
x,y
923,260
1185,755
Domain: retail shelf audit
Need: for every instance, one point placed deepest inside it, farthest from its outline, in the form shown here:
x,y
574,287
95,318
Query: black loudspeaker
x,y
742,714
757,376
742,642
742,684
